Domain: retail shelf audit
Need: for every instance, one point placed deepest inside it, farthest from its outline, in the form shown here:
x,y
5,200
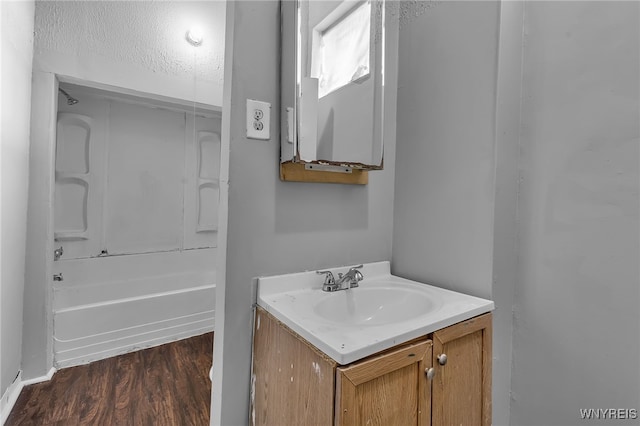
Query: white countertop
x,y
296,299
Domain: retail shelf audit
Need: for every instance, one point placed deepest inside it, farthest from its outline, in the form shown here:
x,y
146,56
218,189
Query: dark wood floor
x,y
165,385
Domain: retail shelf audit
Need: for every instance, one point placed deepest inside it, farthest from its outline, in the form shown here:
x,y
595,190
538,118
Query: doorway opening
x,y
135,223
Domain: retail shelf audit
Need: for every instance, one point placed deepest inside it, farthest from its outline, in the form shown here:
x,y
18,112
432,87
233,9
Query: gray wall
x,y
445,189
17,54
577,322
278,227
551,194
443,221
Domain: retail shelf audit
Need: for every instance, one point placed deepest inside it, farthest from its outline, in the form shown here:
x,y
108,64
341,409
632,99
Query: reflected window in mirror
x,y
341,49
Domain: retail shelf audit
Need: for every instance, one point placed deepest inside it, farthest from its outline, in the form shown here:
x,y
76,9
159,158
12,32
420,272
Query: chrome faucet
x,y
344,282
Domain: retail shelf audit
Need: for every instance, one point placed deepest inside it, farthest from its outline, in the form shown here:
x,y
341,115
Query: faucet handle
x,y
357,277
329,281
329,278
352,270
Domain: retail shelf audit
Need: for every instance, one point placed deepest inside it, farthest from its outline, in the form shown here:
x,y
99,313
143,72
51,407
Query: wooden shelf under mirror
x,y
296,172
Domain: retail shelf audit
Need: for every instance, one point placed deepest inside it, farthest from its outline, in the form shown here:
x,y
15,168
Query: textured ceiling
x,y
150,34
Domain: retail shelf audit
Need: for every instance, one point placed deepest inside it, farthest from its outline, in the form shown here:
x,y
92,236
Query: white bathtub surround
x,y
337,324
136,233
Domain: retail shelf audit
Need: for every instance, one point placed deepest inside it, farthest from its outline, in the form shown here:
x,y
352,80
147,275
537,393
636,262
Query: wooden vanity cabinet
x,y
293,383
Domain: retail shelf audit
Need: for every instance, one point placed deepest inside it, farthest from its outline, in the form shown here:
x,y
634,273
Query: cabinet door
x,y
292,382
390,389
462,383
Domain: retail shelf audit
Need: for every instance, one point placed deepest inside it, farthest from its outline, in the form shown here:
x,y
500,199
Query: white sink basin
x,y
375,303
384,311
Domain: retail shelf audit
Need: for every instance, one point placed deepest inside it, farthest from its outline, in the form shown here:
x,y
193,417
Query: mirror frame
x,y
292,166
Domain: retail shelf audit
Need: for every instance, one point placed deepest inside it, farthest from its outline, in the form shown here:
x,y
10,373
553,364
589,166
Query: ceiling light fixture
x,y
194,36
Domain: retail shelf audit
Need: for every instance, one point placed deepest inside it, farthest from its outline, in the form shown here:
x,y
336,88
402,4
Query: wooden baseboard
x,y
296,172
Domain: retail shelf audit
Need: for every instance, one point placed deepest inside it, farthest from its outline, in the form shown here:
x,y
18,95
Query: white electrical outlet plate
x,y
258,119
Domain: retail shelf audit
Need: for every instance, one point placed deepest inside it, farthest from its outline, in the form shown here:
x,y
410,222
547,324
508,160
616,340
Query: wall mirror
x,y
332,90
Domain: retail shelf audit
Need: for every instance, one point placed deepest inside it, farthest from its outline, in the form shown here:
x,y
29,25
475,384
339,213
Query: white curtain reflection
x,y
344,51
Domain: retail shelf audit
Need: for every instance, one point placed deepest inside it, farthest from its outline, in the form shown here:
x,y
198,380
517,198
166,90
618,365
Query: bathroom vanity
x,y
389,352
